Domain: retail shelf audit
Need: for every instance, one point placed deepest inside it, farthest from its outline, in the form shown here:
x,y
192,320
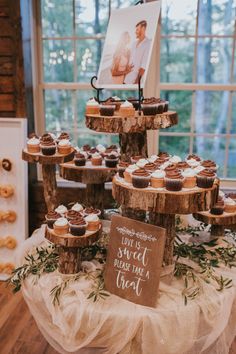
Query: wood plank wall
x,y
12,91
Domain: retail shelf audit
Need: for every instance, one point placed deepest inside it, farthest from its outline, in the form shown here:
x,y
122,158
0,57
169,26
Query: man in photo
x,y
139,54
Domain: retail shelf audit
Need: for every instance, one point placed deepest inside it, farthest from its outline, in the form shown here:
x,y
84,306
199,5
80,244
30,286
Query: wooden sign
x,y
134,260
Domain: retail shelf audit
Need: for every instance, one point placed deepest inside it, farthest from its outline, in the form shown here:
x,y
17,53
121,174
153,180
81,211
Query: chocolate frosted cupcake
x,y
174,181
46,138
86,147
111,160
114,101
150,167
141,178
92,210
51,217
135,158
163,155
218,208
170,167
107,109
64,135
79,159
209,164
121,168
205,178
48,148
73,214
182,165
149,107
78,227
194,157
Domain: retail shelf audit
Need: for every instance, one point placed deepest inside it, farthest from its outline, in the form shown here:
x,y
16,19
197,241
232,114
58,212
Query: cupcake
x,y
33,145
209,164
61,209
121,168
126,109
96,159
230,205
93,222
61,226
166,106
63,135
174,181
164,155
150,167
218,208
169,167
79,159
189,178
149,107
48,148
193,157
128,173
142,162
198,169
77,207
73,214
101,149
175,159
136,158
182,165
46,138
111,160
140,178
92,107
78,227
205,178
86,147
91,210
193,163
134,102
114,100
64,146
157,179
51,217
107,109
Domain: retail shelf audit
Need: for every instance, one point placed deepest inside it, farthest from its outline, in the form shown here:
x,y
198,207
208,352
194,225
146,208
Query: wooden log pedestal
x,y
94,177
162,205
70,248
218,222
49,173
131,130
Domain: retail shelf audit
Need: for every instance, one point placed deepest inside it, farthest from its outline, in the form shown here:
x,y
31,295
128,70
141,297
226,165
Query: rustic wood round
x,y
218,222
49,173
94,177
70,248
162,205
132,130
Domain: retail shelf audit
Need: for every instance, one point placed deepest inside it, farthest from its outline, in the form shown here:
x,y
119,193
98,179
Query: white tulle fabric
x,y
206,325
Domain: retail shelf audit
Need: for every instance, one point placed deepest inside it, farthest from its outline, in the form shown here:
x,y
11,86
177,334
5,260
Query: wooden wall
x,y
12,92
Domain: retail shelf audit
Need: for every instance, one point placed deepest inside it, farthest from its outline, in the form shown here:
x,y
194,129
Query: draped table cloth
x,y
206,324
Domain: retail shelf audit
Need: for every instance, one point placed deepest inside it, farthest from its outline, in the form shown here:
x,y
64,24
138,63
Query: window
x,y
197,72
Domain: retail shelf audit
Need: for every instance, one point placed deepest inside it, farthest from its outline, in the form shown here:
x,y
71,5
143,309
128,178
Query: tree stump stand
x,y
70,248
162,205
218,222
49,173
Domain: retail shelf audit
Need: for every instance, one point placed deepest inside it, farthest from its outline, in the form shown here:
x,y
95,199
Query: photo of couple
x,y
128,45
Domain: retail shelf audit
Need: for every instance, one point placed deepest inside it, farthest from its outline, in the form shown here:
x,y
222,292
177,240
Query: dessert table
x,y
78,325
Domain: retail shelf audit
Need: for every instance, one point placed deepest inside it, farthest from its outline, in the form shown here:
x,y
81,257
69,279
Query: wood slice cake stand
x,y
218,222
163,205
94,177
49,173
70,248
132,130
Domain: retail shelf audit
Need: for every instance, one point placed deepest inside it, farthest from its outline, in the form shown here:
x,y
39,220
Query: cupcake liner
x,y
63,149
140,181
80,162
189,182
78,230
174,185
111,162
157,182
96,162
205,182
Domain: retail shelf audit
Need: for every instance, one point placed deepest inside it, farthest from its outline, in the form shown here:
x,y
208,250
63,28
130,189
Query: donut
x,y
9,216
6,190
8,268
6,165
10,242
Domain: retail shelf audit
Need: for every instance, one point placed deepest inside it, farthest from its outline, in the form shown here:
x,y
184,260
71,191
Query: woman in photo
x,y
121,60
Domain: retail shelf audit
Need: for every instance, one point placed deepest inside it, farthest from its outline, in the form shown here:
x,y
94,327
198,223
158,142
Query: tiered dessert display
x,y
72,230
48,151
221,216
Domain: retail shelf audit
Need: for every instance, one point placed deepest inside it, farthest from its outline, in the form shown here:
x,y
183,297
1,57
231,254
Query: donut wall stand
x,y
13,192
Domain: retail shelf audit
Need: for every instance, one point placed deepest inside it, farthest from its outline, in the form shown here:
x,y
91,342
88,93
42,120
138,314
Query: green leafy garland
x,y
45,260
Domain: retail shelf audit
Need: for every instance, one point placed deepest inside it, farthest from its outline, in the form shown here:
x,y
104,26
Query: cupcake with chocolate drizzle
x,y
111,160
73,214
78,226
48,148
91,210
205,178
141,178
218,207
209,164
51,217
79,159
174,180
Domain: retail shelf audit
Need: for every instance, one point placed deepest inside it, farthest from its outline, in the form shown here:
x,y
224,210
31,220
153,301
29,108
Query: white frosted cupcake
x,y
61,209
101,149
77,207
93,222
61,226
230,205
157,179
33,145
193,163
141,163
189,178
96,159
127,109
153,158
64,146
128,172
175,159
198,169
92,107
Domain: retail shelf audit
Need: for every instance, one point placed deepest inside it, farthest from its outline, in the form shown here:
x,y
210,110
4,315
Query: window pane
x,y
233,122
58,60
211,111
211,148
177,60
57,18
179,17
58,110
91,17
88,58
216,17
214,58
117,4
82,97
181,102
174,145
231,172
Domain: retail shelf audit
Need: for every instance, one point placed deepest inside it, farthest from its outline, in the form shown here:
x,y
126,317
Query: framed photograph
x,y
128,46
